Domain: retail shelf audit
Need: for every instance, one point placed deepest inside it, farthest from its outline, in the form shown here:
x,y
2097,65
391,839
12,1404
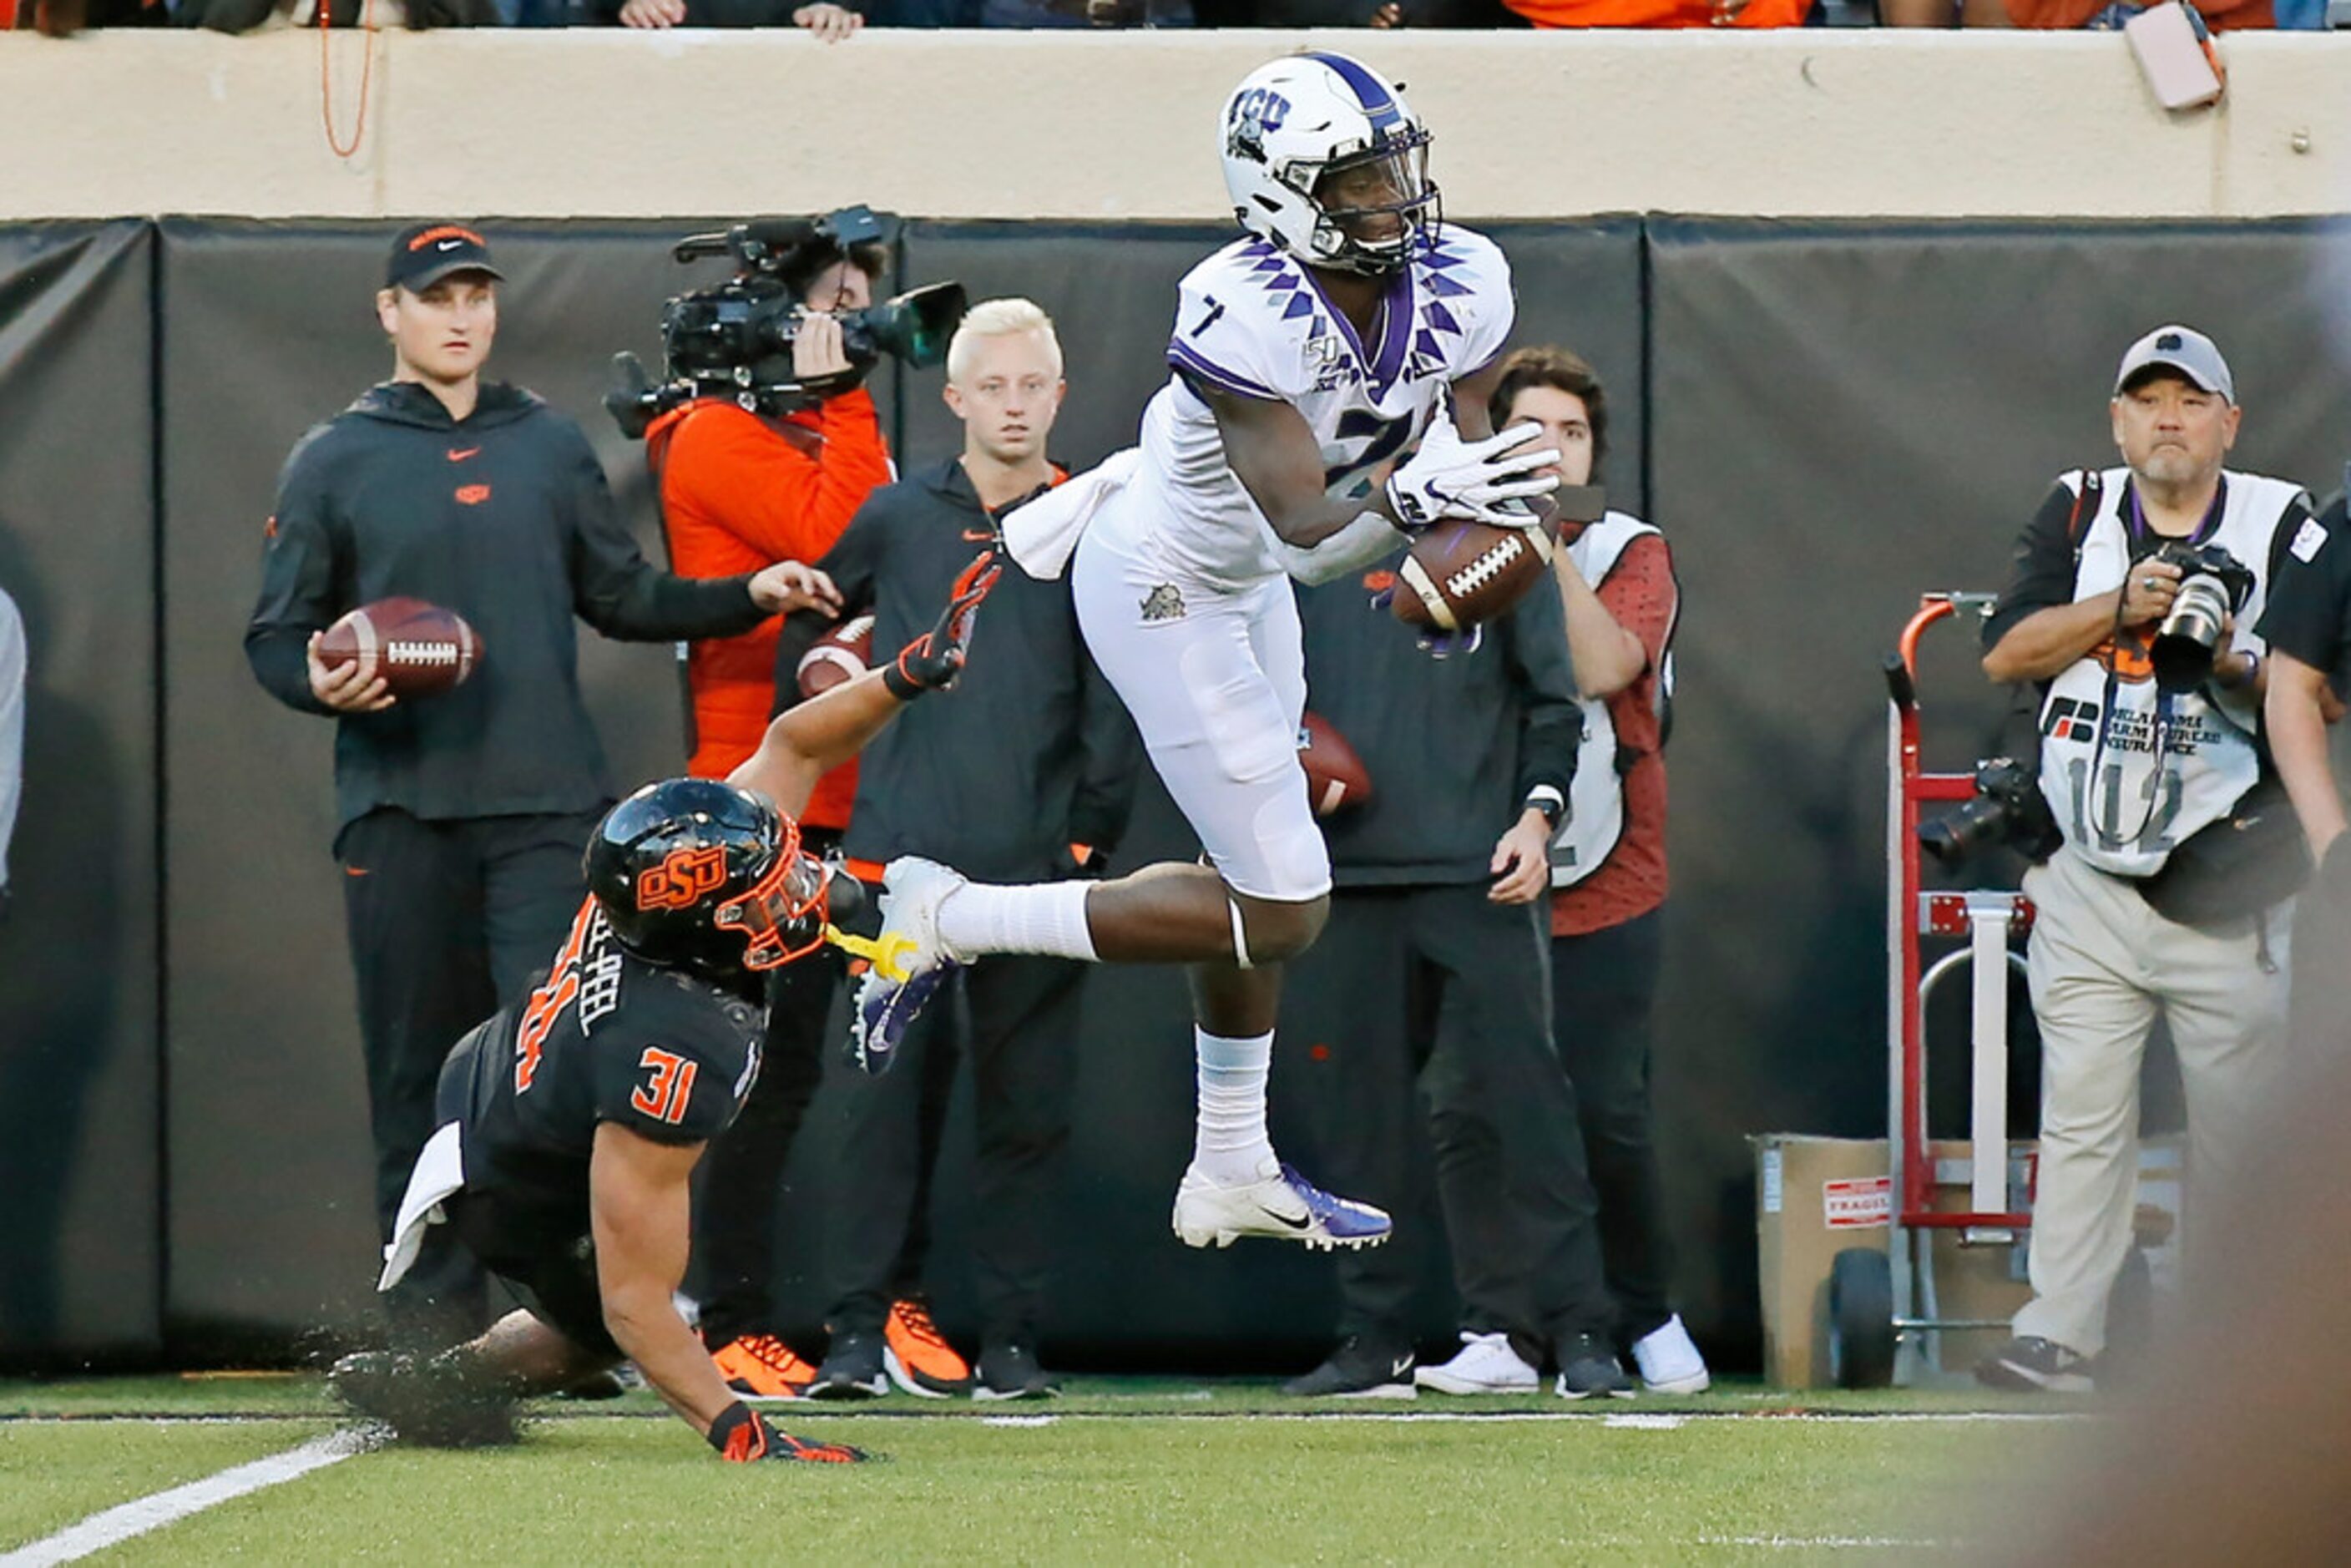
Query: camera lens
x,y
2190,633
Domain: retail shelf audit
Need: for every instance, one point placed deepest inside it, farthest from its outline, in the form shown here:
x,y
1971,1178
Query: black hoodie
x,y
505,517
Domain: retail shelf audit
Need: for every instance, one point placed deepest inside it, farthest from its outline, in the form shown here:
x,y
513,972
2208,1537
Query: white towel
x,y
1043,535
440,1171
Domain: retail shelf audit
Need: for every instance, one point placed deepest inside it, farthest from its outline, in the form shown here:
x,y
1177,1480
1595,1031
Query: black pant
x,y
1016,1019
1404,977
448,922
742,1190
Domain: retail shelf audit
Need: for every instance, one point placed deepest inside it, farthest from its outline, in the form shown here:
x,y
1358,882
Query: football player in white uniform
x,y
1309,356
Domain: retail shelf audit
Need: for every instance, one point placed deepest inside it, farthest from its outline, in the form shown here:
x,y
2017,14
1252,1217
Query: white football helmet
x,y
1328,162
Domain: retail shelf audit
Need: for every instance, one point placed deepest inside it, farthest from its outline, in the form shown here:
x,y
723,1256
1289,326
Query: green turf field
x,y
1118,1471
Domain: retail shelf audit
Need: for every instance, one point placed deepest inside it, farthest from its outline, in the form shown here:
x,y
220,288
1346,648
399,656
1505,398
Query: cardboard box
x,y
1816,1197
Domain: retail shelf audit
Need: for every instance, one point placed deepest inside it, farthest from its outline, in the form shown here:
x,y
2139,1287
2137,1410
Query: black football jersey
x,y
607,1037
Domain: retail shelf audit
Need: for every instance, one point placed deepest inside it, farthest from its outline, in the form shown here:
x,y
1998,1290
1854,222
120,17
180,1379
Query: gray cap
x,y
2182,349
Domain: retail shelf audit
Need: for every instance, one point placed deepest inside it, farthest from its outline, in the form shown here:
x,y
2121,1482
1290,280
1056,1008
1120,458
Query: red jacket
x,y
739,493
1660,12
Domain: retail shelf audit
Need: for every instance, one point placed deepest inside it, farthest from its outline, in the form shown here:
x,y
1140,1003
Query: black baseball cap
x,y
425,254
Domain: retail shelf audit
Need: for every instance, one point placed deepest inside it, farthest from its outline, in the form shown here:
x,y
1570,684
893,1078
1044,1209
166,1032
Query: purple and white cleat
x,y
1284,1205
913,964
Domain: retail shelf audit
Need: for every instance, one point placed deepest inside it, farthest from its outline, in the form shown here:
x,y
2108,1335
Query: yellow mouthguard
x,y
883,954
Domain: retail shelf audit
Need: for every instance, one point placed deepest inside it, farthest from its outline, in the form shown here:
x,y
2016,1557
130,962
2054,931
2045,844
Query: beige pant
x,y
2100,962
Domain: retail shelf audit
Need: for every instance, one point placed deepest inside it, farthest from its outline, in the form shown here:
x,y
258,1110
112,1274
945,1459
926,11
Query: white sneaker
x,y
1284,1205
913,890
1485,1365
1670,1363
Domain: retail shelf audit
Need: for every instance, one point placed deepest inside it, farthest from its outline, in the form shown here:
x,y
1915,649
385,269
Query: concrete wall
x,y
1007,125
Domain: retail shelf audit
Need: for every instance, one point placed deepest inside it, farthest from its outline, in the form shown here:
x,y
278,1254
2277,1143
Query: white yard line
x,y
116,1525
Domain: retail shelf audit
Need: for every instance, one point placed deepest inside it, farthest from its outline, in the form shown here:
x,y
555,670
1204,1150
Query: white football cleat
x,y
1284,1205
913,890
1485,1365
1668,1361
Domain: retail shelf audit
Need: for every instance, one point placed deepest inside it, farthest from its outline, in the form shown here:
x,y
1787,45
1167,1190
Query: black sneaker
x,y
1010,1370
1358,1370
2031,1364
1587,1367
851,1369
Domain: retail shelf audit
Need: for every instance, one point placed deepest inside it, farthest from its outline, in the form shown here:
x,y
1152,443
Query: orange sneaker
x,y
761,1366
917,1357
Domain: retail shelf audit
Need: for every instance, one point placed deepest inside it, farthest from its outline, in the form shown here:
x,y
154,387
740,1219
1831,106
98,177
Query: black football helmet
x,y
699,875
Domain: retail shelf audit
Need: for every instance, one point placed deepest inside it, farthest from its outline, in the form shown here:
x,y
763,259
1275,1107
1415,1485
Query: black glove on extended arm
x,y
932,661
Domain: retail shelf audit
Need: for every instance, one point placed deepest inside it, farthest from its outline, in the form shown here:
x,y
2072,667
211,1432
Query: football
x,y
1335,778
1460,572
418,648
840,654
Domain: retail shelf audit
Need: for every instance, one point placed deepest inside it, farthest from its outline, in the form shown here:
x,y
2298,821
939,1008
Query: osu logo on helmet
x,y
684,876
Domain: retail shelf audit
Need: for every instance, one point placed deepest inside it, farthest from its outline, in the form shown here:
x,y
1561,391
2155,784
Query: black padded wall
x,y
79,1232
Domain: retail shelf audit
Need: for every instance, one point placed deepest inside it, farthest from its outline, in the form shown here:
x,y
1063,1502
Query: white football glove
x,y
1449,477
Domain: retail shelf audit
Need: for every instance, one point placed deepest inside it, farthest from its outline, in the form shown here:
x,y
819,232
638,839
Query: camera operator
x,y
739,484
2135,592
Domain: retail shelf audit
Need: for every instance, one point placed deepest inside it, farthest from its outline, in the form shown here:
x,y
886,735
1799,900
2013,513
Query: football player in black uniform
x,y
572,1122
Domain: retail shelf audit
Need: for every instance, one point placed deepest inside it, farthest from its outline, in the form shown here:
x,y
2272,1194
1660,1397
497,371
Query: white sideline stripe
x,y
119,1524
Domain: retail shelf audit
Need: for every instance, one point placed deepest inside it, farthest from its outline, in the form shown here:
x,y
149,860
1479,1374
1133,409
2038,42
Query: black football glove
x,y
932,661
742,1437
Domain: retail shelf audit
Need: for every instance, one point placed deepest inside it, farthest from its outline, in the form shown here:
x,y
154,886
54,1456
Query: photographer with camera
x,y
777,459
2132,607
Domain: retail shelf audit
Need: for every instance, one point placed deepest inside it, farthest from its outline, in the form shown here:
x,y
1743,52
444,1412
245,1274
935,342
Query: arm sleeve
x,y
299,582
786,502
1225,339
2309,610
1113,761
615,589
2040,571
1550,719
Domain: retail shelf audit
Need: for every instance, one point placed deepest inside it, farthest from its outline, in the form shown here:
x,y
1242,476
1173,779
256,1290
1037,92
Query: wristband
x,y
1550,802
901,685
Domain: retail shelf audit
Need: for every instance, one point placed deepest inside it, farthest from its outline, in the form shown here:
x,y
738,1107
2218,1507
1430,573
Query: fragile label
x,y
1859,1203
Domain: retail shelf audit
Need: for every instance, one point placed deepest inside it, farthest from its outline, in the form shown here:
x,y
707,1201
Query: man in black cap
x,y
462,816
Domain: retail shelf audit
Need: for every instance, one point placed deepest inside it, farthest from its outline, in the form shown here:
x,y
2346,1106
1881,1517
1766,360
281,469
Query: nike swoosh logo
x,y
449,245
458,455
355,871
1299,1224
1403,1365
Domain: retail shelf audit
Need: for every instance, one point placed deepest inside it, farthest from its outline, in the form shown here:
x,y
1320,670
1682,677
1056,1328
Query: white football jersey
x,y
1252,321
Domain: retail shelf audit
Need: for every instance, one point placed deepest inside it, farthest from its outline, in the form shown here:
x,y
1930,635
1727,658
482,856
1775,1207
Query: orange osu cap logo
x,y
683,876
473,494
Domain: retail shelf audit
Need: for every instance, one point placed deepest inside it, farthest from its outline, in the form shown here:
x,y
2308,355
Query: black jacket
x,y
1031,751
505,517
1451,746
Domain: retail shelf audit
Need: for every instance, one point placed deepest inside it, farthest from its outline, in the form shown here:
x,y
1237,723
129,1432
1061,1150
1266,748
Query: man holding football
x,y
1347,324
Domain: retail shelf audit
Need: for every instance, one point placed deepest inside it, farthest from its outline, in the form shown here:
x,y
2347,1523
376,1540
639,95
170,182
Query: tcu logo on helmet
x,y
683,876
1255,113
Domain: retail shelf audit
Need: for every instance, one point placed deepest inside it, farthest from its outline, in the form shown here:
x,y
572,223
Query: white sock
x,y
1230,1146
1048,917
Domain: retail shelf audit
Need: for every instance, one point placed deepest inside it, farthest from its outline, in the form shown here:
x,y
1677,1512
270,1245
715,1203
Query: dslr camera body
x,y
2213,586
734,339
2008,809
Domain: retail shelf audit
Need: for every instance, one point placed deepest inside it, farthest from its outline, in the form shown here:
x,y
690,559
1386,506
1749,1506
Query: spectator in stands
x,y
1607,889
739,487
2158,895
2308,628
1663,13
12,729
462,816
2221,16
1433,946
1026,771
827,21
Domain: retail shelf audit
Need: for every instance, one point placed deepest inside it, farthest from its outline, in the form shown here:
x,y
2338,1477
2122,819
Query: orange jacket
x,y
739,493
1658,13
2221,16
